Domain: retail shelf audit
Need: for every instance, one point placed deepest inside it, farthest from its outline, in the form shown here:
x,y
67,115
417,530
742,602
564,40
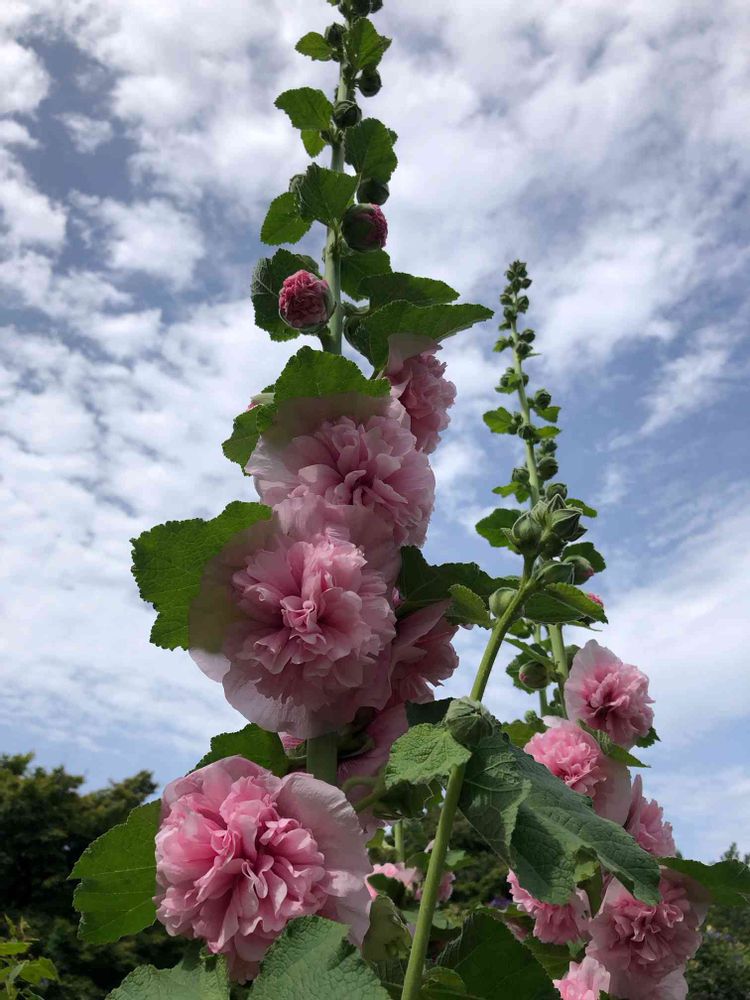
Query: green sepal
x,y
118,879
168,563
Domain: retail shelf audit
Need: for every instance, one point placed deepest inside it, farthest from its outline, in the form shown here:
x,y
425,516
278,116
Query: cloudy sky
x,y
606,144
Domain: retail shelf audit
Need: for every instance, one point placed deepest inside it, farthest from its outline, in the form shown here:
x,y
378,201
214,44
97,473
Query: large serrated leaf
x,y
561,603
307,107
253,743
492,527
317,373
728,881
423,754
384,288
186,981
315,46
312,959
369,149
283,223
118,873
365,47
324,194
168,564
356,268
421,584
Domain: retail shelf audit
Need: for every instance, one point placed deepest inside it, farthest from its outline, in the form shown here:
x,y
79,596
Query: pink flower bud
x,y
305,302
596,599
364,228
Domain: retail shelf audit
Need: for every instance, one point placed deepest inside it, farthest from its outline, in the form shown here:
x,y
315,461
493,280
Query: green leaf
x,y
499,422
612,749
365,47
307,107
369,149
268,278
541,828
168,564
423,754
547,432
587,550
468,608
384,288
520,732
553,958
549,413
313,141
312,373
587,511
357,267
325,194
118,873
517,490
315,46
14,947
429,713
530,652
441,984
643,742
561,603
190,980
283,223
436,322
493,964
421,584
246,430
491,527
36,970
253,743
313,959
727,881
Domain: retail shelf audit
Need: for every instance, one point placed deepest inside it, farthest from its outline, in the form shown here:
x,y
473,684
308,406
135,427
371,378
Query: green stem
x,y
322,757
398,840
431,886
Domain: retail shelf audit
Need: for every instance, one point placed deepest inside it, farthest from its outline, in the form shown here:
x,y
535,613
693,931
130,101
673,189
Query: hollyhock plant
x,y
575,756
373,464
419,383
397,870
553,924
422,654
240,853
641,945
295,618
608,694
305,301
646,824
365,228
584,980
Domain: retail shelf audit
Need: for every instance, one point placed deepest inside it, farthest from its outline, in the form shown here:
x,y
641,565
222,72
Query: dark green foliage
x,y
45,824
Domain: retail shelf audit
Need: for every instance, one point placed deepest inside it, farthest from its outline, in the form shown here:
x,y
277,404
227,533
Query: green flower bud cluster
x,y
510,380
512,300
544,531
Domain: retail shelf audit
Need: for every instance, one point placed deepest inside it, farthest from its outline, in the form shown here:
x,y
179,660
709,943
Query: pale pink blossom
x,y
584,980
574,756
396,870
422,654
445,888
371,463
608,694
553,924
240,853
642,946
295,619
646,824
381,733
419,383
305,301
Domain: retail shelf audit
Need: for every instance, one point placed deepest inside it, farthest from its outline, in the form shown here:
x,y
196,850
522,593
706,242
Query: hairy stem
x,y
322,757
398,840
431,886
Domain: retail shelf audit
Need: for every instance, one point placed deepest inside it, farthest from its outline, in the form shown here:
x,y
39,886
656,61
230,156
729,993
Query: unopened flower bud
x,y
295,182
534,675
360,7
500,601
582,568
542,399
369,82
550,545
555,572
565,522
527,336
346,113
527,432
523,350
556,502
375,6
305,301
548,446
557,489
372,191
365,228
520,475
547,467
334,35
526,534
468,721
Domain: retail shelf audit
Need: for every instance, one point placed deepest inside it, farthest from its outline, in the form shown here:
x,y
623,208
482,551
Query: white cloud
x,y
28,216
87,134
24,82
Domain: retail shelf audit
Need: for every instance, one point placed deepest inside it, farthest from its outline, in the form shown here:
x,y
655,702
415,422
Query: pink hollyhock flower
x,y
422,654
645,823
371,463
574,756
365,228
445,889
419,384
583,981
240,853
643,945
608,694
381,733
294,617
398,870
553,924
305,301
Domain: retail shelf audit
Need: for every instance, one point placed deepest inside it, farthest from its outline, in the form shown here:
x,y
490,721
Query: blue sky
x,y
607,145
